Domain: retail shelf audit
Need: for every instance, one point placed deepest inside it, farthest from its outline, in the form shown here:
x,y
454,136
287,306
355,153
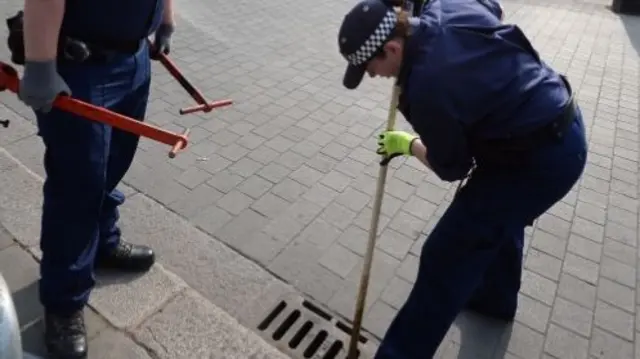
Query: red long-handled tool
x,y
9,80
203,104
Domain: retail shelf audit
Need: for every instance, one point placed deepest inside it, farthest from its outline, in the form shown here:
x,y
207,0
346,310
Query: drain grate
x,y
303,330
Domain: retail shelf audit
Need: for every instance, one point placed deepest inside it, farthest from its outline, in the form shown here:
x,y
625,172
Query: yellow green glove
x,y
394,143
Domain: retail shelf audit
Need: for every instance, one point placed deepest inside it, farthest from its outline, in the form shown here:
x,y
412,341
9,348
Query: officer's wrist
x,y
413,144
40,70
166,29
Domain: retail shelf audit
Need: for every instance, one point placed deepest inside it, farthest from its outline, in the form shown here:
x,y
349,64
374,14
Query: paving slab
x,y
112,344
6,239
120,304
286,176
19,269
126,301
190,327
23,201
219,273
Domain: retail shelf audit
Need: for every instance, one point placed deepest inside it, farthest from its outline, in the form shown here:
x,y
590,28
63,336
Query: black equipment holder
x,y
68,48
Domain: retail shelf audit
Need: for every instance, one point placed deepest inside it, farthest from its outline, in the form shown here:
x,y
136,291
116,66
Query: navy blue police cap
x,y
364,30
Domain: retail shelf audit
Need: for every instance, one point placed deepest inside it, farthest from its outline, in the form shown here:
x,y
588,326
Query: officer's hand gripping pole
x,y
9,80
203,104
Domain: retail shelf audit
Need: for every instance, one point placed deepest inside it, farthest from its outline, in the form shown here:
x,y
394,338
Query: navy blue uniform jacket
x,y
468,76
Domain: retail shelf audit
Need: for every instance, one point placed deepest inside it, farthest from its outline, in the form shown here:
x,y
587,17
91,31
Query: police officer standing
x,y
481,102
95,51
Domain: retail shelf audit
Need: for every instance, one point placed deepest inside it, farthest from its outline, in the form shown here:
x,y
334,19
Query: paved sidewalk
x,y
20,270
285,177
153,316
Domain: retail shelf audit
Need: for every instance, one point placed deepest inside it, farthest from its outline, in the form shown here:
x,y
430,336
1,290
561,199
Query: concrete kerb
x,y
18,216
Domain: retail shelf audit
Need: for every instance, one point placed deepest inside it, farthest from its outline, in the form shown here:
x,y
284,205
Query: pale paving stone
x,y
614,320
379,317
396,292
522,341
453,350
210,332
548,244
22,202
127,301
533,313
538,287
617,294
581,268
605,345
618,271
562,343
577,291
113,345
572,316
339,260
585,248
543,264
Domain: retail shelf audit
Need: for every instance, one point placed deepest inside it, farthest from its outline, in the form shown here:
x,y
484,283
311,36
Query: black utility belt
x,y
552,131
75,50
70,48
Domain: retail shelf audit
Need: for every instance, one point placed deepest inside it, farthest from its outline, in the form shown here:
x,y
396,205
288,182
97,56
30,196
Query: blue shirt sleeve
x,y
444,137
493,6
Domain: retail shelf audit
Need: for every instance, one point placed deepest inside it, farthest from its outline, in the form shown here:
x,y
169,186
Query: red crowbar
x,y
203,104
9,80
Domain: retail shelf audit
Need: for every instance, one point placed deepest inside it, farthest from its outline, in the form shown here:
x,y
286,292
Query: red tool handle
x,y
205,107
9,80
203,104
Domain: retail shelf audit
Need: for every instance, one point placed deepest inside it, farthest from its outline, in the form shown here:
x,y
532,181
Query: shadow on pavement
x,y
27,303
33,339
30,314
632,27
480,337
31,318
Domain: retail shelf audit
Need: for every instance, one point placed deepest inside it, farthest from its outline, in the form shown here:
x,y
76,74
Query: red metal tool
x,y
9,80
203,104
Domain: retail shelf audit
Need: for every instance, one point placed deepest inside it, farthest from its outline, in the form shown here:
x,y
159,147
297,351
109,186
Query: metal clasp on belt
x,y
75,50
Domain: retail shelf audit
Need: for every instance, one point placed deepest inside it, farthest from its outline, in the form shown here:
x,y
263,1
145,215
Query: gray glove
x,y
41,84
162,41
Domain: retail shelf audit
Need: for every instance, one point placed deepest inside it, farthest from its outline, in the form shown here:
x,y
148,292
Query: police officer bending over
x,y
97,52
477,96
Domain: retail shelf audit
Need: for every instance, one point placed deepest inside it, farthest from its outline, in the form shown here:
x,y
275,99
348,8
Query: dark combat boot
x,y
65,335
126,257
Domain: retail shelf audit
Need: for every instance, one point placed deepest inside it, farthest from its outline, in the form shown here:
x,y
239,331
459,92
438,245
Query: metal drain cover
x,y
303,330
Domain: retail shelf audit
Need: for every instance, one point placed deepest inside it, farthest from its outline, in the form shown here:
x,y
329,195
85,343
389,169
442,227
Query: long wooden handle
x,y
373,231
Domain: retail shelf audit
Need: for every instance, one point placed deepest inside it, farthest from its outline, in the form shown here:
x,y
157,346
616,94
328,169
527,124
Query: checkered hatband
x,y
373,43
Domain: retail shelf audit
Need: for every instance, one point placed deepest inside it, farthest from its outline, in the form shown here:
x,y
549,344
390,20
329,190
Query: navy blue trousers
x,y
473,256
84,162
